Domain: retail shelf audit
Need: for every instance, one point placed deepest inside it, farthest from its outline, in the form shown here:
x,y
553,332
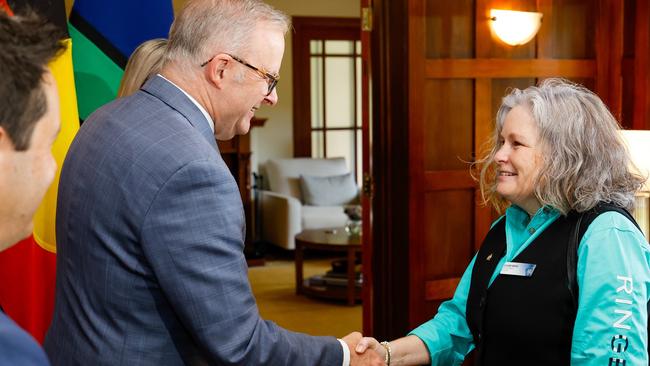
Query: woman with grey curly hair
x,y
563,277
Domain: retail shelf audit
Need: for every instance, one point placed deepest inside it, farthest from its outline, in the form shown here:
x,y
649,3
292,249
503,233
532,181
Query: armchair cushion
x,y
284,213
334,190
284,174
322,217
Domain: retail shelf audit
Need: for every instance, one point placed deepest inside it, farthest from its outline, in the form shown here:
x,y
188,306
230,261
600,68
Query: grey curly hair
x,y
585,160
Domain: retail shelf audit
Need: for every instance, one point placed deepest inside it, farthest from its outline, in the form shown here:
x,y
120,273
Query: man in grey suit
x,y
150,224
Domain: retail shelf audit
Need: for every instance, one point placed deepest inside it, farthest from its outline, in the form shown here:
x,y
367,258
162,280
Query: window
x,y
327,64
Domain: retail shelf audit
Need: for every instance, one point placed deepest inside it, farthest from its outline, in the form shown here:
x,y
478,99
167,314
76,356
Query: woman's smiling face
x,y
519,159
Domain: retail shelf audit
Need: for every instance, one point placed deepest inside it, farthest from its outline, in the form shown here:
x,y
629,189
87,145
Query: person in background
x,y
150,222
145,61
29,124
562,173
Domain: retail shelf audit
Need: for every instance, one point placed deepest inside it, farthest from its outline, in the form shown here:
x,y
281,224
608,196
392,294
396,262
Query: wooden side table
x,y
334,240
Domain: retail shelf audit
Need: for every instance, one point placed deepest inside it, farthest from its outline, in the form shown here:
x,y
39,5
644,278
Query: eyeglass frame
x,y
272,80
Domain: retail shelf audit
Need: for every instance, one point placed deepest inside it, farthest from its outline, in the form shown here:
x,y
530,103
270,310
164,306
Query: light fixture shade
x,y
515,27
638,144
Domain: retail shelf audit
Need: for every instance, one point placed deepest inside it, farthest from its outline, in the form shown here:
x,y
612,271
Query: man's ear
x,y
5,141
217,69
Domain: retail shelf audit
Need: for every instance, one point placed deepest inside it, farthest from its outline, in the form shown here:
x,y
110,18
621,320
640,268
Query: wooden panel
x,y
641,118
629,93
436,290
545,35
449,26
443,180
484,216
416,156
448,244
483,33
572,29
632,10
484,116
501,87
633,13
505,68
616,55
609,52
448,118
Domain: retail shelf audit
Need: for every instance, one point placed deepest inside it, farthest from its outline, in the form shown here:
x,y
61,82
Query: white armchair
x,y
284,213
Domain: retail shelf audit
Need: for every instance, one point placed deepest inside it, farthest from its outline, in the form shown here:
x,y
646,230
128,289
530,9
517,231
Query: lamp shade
x,y
515,27
638,144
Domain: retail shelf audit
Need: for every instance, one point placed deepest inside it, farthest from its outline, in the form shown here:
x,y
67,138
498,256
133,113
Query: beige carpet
x,y
275,291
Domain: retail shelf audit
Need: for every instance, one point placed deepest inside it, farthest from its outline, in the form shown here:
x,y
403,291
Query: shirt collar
x,y
520,217
199,106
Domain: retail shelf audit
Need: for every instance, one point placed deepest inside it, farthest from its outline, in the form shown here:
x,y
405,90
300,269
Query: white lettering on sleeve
x,y
619,323
625,287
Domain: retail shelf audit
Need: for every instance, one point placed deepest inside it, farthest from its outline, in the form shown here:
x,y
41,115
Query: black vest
x,y
523,320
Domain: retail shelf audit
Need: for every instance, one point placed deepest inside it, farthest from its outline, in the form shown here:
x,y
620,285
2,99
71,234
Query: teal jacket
x,y
613,275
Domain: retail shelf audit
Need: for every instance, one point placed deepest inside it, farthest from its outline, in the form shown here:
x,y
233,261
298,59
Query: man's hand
x,y
369,357
367,343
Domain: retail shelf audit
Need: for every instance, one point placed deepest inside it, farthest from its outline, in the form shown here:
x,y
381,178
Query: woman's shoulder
x,y
612,220
612,226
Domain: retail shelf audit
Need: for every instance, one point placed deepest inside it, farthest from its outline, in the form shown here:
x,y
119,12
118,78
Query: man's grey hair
x,y
206,27
585,160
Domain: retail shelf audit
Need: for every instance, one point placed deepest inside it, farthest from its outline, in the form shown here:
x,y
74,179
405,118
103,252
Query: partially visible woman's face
x,y
519,159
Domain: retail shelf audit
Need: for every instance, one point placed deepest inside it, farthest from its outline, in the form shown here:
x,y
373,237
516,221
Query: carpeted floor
x,y
275,291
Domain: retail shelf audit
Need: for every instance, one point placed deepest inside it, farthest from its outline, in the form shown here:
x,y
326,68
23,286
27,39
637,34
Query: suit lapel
x,y
175,98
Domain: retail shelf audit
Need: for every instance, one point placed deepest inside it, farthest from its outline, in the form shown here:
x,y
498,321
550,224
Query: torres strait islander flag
x,y
27,269
105,33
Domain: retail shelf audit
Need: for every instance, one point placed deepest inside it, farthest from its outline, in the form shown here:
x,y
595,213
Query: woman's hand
x,y
409,350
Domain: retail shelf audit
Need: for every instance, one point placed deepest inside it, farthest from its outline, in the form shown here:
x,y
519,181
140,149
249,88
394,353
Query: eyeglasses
x,y
271,80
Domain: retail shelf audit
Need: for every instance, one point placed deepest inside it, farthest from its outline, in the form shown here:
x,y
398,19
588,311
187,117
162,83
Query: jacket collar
x,y
176,99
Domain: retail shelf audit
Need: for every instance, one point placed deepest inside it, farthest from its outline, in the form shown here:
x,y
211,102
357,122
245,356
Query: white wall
x,y
275,139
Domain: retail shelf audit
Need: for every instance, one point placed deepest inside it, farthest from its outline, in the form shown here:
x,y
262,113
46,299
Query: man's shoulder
x,y
17,347
142,119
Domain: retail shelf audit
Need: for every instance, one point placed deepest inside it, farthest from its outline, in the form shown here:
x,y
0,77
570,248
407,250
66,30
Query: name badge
x,y
518,269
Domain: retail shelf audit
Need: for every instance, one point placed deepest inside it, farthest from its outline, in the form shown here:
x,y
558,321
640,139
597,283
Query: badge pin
x,y
489,257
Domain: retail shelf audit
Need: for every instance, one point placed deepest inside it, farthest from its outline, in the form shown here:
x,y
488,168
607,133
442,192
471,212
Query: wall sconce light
x,y
515,27
638,144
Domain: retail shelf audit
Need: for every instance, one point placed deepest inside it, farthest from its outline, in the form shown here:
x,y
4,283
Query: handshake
x,y
367,350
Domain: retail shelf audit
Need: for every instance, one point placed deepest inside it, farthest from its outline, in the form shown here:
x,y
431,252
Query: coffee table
x,y
333,240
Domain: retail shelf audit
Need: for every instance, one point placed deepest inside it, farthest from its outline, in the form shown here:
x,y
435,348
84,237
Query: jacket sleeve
x,y
447,336
192,236
613,276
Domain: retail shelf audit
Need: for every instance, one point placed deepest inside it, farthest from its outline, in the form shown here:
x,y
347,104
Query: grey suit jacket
x,y
150,232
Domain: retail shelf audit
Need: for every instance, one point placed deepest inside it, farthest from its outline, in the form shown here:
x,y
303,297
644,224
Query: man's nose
x,y
272,99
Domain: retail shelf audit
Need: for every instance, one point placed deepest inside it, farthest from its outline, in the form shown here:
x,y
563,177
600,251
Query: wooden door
x,y
367,180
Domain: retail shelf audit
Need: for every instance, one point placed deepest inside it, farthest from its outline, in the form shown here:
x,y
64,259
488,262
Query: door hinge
x,y
367,185
366,19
